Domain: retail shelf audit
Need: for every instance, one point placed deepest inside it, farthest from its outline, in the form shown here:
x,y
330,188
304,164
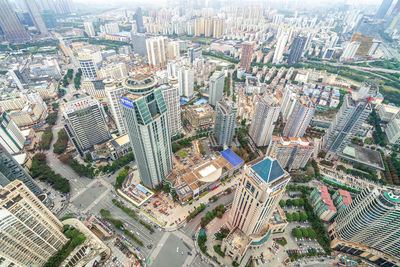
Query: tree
x,y
301,202
243,122
289,202
305,232
303,216
296,217
311,233
289,217
296,202
282,203
297,233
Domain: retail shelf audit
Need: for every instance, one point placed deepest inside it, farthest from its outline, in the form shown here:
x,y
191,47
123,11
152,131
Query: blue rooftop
x,y
231,157
268,169
200,101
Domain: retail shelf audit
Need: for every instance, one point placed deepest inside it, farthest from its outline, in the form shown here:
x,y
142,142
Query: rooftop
x,y
268,169
231,157
364,156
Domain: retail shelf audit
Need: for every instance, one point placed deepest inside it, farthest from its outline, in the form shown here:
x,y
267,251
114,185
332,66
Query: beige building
x,y
256,198
30,233
157,51
29,116
94,88
292,153
199,115
114,71
209,27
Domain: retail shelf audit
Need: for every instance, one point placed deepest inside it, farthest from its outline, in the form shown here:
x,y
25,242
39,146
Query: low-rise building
x,y
191,183
200,115
393,131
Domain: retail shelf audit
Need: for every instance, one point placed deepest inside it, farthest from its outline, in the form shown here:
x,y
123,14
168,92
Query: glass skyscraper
x,y
146,118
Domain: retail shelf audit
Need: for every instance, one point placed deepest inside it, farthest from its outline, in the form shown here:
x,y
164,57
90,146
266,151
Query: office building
x,y
350,51
224,124
11,170
89,28
369,227
157,51
387,112
347,122
34,13
170,93
292,153
296,50
264,120
30,233
201,115
259,191
279,48
11,138
88,66
300,117
216,89
383,9
12,29
114,91
186,82
139,21
245,58
85,123
147,120
62,6
139,44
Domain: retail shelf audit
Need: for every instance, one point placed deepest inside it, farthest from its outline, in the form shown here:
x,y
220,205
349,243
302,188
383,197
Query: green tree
x,y
303,216
289,217
296,217
296,202
282,203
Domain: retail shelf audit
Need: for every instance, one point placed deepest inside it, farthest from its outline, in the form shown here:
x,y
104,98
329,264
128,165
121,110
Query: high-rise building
x,y
11,170
288,102
259,191
11,138
89,28
12,29
173,50
172,100
216,89
264,120
369,227
88,66
292,153
114,92
111,28
146,118
383,9
62,6
279,48
85,123
245,58
351,115
194,52
300,117
139,44
224,124
296,50
350,51
157,51
139,21
209,27
186,81
30,233
36,17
